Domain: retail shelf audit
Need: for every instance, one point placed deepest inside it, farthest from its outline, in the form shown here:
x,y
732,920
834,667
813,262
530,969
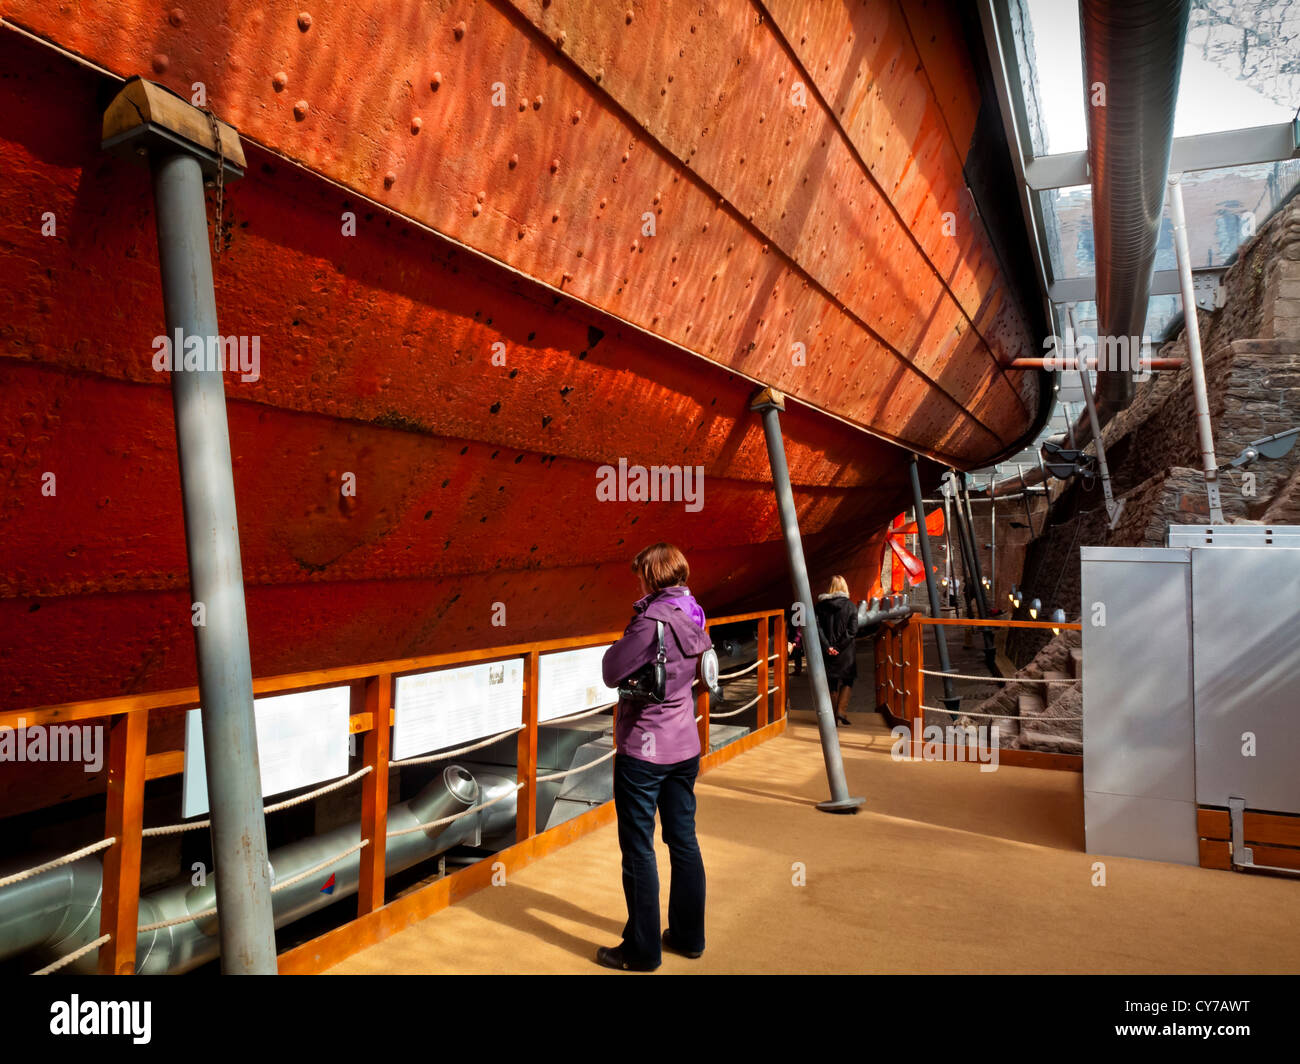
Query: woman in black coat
x,y
837,624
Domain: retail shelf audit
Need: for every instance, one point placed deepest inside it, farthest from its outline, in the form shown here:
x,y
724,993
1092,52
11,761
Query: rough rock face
x,y
1047,714
1252,367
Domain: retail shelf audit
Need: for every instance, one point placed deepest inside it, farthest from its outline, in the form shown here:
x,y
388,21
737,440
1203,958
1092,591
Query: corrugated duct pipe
x,y
57,912
1132,59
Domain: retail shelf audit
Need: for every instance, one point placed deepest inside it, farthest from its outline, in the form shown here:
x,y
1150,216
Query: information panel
x,y
302,738
570,681
435,710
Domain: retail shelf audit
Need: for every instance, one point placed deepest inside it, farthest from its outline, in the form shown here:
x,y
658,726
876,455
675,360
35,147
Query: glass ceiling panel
x,y
1224,209
1241,68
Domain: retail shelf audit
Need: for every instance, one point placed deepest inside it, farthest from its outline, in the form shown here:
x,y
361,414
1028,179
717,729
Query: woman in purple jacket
x,y
657,760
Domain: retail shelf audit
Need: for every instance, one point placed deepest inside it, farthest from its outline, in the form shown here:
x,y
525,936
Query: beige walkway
x,y
947,870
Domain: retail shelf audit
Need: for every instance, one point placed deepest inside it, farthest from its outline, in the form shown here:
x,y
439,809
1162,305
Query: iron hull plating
x,y
461,312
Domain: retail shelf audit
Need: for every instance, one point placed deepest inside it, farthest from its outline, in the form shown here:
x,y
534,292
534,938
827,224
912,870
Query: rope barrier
x,y
319,867
69,958
994,716
283,885
443,755
994,679
58,862
741,672
194,825
454,816
577,716
733,712
574,771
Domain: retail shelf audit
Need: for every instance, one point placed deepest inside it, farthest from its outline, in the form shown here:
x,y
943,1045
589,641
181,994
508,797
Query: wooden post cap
x,y
146,116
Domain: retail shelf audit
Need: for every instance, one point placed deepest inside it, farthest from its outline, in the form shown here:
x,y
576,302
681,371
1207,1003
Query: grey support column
x,y
180,156
950,699
981,600
770,403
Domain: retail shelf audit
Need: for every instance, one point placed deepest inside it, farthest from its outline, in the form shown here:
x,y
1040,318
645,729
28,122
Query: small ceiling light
x,y
1058,617
1034,607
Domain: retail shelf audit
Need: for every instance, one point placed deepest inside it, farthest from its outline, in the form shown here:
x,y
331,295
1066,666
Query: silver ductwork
x,y
57,912
1133,54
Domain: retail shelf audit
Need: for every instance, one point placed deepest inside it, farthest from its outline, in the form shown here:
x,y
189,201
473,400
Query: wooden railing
x,y
900,683
130,765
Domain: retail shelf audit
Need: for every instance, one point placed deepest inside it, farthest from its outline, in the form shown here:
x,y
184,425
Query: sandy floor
x,y
946,869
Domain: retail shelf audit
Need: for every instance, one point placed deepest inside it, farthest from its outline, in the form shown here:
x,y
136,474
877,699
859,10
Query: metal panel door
x,y
1246,642
1139,768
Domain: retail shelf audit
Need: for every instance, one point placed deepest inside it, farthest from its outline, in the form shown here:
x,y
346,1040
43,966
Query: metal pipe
x,y
1085,381
770,403
1091,361
57,912
216,575
993,540
950,699
1133,54
1024,495
1192,326
981,601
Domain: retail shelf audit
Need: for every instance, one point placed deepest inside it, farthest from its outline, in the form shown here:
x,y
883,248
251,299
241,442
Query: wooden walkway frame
x,y
900,686
130,766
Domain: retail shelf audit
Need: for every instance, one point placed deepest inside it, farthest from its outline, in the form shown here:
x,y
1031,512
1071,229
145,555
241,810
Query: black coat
x,y
837,625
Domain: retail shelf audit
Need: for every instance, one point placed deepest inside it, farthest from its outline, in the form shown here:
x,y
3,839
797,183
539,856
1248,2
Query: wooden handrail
x,y
1070,626
301,681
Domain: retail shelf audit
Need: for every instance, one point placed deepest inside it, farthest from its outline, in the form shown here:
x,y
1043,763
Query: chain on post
x,y
218,225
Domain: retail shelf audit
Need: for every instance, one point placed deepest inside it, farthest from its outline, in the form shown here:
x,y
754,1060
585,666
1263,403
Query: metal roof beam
x,y
1208,151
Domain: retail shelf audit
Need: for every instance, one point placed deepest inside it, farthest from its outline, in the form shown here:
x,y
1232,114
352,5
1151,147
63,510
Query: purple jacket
x,y
664,733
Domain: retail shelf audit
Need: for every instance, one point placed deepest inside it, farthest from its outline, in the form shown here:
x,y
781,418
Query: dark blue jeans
x,y
639,788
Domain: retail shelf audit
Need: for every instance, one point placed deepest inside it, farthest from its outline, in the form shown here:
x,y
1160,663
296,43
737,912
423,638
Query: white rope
x,y
732,675
731,713
994,716
76,855
443,755
194,825
284,884
176,920
454,816
699,718
577,716
773,657
69,958
319,867
319,791
994,679
573,771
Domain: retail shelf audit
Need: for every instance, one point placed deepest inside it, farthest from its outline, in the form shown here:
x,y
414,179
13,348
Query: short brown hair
x,y
660,566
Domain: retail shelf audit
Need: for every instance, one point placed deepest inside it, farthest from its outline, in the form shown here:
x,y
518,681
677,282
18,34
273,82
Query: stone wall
x,y
1252,364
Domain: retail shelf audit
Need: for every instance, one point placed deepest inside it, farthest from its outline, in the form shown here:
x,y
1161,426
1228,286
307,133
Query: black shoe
x,y
672,947
844,720
612,957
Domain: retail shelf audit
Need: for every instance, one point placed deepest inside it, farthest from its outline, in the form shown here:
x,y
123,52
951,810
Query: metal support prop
x,y
1113,508
1024,495
993,539
769,402
243,883
981,601
1243,856
950,699
1192,325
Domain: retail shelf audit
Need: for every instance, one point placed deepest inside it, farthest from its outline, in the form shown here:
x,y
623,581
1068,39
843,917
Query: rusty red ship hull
x,y
675,205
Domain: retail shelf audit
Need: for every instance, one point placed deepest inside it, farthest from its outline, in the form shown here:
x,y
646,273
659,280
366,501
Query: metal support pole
x,y
1113,508
1191,323
950,699
990,651
1024,495
993,540
216,577
770,403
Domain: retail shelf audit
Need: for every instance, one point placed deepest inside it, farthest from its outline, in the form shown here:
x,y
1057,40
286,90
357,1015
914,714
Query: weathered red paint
x,y
475,482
